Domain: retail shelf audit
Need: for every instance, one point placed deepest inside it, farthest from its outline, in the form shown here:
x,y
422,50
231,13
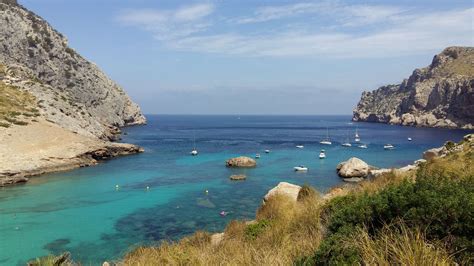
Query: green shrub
x,y
253,230
442,206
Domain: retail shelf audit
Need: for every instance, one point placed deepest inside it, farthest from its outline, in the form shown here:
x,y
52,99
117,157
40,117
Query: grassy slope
x,y
16,106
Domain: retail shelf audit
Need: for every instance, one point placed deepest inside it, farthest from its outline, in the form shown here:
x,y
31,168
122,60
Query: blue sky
x,y
257,57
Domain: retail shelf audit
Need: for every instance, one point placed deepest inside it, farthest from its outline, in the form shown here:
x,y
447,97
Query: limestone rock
x,y
71,91
238,177
241,161
440,95
353,168
284,188
433,153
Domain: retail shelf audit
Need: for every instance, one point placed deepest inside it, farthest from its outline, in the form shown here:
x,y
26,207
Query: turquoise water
x,y
81,211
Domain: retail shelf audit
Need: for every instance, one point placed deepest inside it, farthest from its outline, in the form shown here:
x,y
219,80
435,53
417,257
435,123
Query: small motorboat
x,y
388,147
346,144
257,156
300,168
267,151
194,152
223,213
363,146
322,154
409,139
299,146
357,137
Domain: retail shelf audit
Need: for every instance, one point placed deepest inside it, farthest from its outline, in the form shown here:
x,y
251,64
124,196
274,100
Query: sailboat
x,y
326,141
194,152
347,143
356,137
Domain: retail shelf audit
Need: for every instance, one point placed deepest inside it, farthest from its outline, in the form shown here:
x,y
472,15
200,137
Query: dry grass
x,y
291,231
397,244
15,105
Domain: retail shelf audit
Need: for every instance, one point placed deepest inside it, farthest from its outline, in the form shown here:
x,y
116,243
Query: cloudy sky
x,y
257,57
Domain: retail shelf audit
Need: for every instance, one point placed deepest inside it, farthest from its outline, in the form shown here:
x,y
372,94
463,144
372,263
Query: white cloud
x,y
423,33
170,24
350,30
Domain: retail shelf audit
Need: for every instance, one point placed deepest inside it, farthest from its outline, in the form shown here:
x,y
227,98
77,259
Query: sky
x,y
257,57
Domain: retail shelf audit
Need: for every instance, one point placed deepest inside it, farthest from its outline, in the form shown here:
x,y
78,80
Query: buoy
x,y
147,188
207,191
116,187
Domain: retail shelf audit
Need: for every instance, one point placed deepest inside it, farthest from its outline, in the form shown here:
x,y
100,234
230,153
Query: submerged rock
x,y
284,188
241,161
238,177
354,167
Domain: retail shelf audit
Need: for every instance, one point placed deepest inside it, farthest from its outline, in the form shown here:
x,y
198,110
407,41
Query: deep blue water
x,y
81,211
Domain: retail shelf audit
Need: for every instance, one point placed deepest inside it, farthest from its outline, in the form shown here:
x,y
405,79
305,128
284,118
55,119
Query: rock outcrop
x,y
440,95
241,161
353,168
238,177
69,90
284,188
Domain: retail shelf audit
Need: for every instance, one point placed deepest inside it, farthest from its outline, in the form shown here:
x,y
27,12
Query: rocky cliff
x,y
440,95
58,111
69,90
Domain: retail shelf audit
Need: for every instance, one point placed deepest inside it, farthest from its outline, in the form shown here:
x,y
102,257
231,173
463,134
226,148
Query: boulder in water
x,y
354,167
241,161
238,177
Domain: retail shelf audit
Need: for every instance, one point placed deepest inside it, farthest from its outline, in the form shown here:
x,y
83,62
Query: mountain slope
x,y
440,95
71,91
58,111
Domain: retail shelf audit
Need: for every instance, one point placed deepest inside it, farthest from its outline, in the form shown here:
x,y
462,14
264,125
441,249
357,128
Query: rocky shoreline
x,y
44,147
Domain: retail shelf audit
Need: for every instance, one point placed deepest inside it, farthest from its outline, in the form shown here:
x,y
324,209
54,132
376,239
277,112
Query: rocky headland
x,y
58,110
440,95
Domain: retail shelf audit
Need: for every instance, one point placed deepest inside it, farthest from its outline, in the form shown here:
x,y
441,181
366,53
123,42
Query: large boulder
x,y
241,161
284,188
433,153
354,167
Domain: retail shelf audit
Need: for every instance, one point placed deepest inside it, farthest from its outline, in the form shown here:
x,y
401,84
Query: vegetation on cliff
x,y
418,218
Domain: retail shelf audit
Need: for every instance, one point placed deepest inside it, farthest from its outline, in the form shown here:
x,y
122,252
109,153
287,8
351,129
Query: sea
x,y
102,212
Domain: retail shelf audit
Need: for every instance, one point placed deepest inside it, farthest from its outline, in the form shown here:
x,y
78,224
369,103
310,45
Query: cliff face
x,y
69,90
440,95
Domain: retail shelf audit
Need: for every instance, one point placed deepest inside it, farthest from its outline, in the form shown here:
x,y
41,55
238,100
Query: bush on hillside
x,y
442,206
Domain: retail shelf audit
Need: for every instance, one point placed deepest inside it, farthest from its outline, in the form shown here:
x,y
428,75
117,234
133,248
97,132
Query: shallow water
x,y
81,211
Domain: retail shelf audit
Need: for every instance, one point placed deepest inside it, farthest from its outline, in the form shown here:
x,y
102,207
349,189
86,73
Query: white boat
x,y
322,154
409,139
327,140
267,151
300,168
346,143
357,137
299,146
388,147
194,152
257,155
363,146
